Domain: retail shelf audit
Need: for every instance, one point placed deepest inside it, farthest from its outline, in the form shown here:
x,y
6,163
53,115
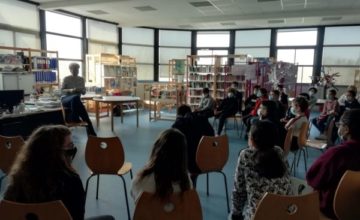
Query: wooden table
x,y
115,100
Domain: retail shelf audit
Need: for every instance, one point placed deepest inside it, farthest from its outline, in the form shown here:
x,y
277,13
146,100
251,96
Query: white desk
x,y
112,101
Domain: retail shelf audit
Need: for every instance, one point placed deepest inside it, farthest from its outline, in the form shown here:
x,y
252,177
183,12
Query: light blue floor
x,y
137,143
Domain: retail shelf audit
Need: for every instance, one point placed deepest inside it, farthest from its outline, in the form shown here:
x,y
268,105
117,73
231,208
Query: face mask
x,y
311,93
292,110
258,94
255,92
349,99
230,95
271,97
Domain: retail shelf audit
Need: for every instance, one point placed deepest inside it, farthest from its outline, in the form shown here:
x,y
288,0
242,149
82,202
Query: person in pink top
x,y
330,110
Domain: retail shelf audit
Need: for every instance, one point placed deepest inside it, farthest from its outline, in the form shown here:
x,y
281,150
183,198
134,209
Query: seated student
x,y
350,103
275,96
207,104
238,95
260,169
342,98
312,101
330,110
72,88
307,98
324,175
227,108
166,171
268,111
251,100
263,96
193,127
42,172
300,106
283,96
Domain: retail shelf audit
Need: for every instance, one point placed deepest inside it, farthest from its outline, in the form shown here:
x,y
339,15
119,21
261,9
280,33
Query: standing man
x,y
72,88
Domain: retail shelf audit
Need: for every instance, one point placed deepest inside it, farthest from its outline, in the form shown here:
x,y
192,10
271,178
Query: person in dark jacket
x,y
251,100
238,95
227,108
326,172
193,127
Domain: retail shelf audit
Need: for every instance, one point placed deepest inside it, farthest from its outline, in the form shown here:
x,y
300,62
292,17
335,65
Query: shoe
x,y
321,137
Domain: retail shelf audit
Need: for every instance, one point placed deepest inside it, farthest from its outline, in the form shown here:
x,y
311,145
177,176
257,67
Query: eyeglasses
x,y
71,152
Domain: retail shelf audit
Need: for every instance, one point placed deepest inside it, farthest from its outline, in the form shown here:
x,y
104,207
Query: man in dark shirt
x,y
193,127
251,100
227,108
238,95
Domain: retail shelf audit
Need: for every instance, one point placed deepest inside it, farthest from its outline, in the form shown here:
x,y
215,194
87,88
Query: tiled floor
x,y
137,143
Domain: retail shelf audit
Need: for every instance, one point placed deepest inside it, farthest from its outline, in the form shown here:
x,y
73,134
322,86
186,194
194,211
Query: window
x,y
213,39
209,60
296,37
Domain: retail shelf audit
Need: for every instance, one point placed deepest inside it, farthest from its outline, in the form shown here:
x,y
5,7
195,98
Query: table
x,y
112,101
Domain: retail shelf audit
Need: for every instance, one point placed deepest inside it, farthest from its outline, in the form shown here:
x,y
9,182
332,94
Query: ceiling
x,y
213,14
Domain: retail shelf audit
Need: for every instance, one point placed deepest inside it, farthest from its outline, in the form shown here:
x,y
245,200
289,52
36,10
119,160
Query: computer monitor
x,y
10,98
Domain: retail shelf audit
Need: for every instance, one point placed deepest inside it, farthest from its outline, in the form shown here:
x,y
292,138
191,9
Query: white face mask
x,y
258,94
311,93
293,111
230,95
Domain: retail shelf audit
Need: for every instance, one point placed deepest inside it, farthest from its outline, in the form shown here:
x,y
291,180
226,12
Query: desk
x,y
25,123
114,100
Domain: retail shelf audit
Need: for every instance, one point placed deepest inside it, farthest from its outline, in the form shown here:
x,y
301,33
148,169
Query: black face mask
x,y
70,153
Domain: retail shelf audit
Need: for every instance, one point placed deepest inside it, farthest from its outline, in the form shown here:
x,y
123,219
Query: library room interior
x,y
179,110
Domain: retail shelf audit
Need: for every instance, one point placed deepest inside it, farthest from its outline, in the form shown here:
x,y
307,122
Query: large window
x,y
298,46
139,43
341,53
212,39
255,43
102,37
63,34
172,45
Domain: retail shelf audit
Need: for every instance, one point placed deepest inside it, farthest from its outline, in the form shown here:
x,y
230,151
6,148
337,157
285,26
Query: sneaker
x,y
321,137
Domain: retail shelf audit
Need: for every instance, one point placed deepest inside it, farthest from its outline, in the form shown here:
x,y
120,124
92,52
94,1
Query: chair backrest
x,y
273,206
287,142
347,196
212,153
179,206
54,210
303,135
104,155
9,148
329,132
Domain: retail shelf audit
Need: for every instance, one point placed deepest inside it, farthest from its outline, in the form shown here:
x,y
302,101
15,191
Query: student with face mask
x,y
227,108
326,172
312,93
207,104
330,110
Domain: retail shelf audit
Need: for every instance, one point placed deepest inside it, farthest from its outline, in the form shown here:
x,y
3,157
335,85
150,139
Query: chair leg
x,y
97,186
226,191
126,197
131,174
293,163
207,184
87,184
305,160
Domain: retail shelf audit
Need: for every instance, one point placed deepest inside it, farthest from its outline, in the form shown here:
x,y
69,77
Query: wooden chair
x,y
302,139
211,156
9,148
322,144
105,155
54,210
179,206
273,206
71,124
347,196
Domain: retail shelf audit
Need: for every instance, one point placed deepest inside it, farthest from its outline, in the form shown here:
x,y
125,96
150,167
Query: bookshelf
x,y
115,73
28,69
215,73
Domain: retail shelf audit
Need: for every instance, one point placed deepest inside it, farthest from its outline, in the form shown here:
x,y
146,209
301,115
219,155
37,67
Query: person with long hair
x,y
325,174
42,172
166,171
260,169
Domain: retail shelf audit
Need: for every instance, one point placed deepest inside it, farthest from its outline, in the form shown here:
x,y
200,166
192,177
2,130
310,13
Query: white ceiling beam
x,y
65,4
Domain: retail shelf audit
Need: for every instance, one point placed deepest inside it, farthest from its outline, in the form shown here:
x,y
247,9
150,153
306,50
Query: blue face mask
x,y
258,94
271,97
